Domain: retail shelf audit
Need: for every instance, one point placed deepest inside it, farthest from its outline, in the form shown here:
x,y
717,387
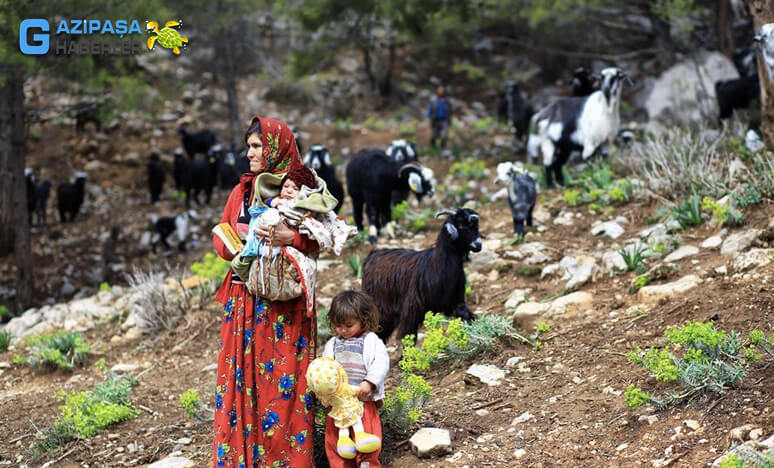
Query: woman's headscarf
x,y
279,150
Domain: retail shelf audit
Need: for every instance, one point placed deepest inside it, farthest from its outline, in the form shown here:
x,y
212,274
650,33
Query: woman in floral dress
x,y
263,414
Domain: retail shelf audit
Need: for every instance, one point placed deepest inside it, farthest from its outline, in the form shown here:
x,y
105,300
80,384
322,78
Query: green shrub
x,y
5,340
688,212
403,406
58,350
104,286
468,168
529,270
572,197
749,196
355,262
191,403
723,215
3,311
211,267
634,257
399,211
702,359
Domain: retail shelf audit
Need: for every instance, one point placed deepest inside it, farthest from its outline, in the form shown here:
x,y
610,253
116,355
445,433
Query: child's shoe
x,y
367,443
346,448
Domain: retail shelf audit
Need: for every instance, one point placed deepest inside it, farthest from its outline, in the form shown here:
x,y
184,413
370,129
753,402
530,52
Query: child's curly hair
x,y
301,176
354,305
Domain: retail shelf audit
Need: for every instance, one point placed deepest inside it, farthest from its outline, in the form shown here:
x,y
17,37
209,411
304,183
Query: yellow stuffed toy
x,y
328,380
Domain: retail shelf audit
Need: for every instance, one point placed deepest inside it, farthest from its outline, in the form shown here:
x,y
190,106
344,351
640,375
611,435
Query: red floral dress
x,y
263,413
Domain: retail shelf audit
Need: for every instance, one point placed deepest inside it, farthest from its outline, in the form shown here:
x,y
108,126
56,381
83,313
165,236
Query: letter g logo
x,y
39,44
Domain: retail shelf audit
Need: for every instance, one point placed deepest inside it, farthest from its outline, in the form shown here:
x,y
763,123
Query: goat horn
x,y
444,213
408,165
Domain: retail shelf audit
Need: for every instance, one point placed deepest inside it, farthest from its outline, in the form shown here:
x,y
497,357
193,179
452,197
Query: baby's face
x,y
289,190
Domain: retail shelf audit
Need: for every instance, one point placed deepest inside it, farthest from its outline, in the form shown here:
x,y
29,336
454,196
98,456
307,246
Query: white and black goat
x,y
372,177
522,194
166,226
583,82
319,158
764,53
70,197
402,151
405,284
585,124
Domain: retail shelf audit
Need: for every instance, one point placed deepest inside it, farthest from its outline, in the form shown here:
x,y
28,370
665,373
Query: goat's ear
x,y
452,230
327,158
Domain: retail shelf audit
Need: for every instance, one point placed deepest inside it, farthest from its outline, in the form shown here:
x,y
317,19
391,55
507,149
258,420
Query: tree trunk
x,y
229,72
724,25
6,189
762,12
12,131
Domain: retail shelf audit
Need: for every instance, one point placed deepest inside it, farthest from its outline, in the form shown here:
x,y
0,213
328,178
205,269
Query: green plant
x,y
355,262
635,397
723,214
403,406
529,270
638,283
399,211
3,311
343,125
688,212
746,456
60,349
101,366
634,257
211,267
701,358
5,340
572,197
749,196
533,340
104,286
468,168
731,461
373,123
191,403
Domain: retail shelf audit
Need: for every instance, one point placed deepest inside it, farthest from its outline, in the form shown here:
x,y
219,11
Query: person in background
x,y
440,114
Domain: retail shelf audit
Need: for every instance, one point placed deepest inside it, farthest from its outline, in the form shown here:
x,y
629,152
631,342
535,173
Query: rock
x,y
515,254
519,453
650,419
483,259
685,94
739,241
67,289
578,271
124,368
512,361
571,303
430,441
610,228
656,292
612,261
529,309
553,269
712,242
210,367
752,258
522,418
488,374
173,462
535,253
681,253
517,297
692,424
721,270
564,219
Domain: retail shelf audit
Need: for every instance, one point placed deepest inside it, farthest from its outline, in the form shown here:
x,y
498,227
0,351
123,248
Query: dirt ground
x,y
571,388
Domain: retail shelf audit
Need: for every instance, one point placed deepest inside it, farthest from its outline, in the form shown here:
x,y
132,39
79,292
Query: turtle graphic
x,y
168,38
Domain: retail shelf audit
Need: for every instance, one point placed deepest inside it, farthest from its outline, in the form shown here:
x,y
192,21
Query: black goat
x,y
29,180
70,197
583,83
372,177
182,174
736,94
203,176
405,284
155,178
233,165
319,158
745,61
196,143
85,112
42,192
164,227
514,109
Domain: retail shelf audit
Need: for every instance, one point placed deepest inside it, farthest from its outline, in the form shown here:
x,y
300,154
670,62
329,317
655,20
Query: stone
x,y
210,367
553,269
571,303
124,368
684,94
564,219
483,259
529,310
430,441
522,418
67,289
739,241
712,242
488,374
681,253
656,292
721,270
750,259
612,261
513,361
535,253
578,271
609,228
173,462
519,453
517,297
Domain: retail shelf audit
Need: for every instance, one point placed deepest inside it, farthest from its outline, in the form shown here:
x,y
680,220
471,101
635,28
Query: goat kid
x,y
319,158
178,225
70,197
522,194
405,284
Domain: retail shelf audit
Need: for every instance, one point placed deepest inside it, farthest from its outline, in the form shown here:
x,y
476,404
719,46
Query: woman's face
x,y
255,153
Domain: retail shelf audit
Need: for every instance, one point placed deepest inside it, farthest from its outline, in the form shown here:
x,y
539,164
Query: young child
x,y
354,317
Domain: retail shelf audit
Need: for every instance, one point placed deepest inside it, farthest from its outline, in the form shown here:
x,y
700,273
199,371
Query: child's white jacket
x,y
375,357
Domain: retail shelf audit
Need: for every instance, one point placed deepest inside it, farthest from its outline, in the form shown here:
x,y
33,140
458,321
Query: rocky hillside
x,y
561,405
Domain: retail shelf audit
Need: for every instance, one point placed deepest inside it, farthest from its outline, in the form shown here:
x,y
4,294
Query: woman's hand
x,y
283,235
